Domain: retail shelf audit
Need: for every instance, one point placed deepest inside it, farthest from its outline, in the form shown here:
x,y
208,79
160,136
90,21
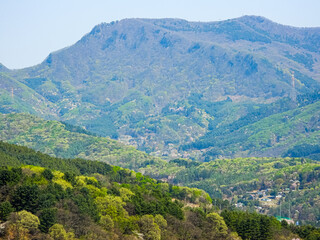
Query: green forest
x,y
292,183
42,197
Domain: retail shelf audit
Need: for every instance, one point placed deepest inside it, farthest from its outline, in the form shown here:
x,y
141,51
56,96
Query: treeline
x,y
304,150
12,155
262,227
251,225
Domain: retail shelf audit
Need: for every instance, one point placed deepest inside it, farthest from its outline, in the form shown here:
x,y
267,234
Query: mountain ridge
x,y
134,79
250,18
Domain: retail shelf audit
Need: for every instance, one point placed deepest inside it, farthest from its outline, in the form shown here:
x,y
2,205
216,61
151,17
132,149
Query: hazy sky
x,y
31,29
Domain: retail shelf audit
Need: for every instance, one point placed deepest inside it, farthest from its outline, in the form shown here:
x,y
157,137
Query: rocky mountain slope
x,y
138,79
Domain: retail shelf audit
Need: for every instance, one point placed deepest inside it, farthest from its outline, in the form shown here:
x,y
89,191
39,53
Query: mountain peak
x,y
258,19
3,68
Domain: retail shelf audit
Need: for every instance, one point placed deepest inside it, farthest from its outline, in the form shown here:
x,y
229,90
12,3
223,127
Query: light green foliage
x,y
63,183
35,169
25,219
191,194
125,194
83,179
112,206
160,221
149,228
234,236
218,225
91,184
107,222
97,192
57,232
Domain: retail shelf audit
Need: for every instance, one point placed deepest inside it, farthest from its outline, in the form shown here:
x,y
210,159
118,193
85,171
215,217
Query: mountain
x,y
141,80
3,68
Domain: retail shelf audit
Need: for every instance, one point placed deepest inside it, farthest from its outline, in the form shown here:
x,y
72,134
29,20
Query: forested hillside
x,y
80,199
283,128
295,178
287,187
161,84
67,141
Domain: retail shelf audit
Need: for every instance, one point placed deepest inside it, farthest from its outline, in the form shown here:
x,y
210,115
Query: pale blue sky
x,y
31,29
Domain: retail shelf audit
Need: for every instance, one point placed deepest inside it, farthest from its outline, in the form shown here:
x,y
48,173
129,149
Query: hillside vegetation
x,y
64,140
259,184
284,128
80,199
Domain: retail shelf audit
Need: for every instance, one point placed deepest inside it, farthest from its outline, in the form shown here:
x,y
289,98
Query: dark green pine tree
x,y
26,198
47,219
